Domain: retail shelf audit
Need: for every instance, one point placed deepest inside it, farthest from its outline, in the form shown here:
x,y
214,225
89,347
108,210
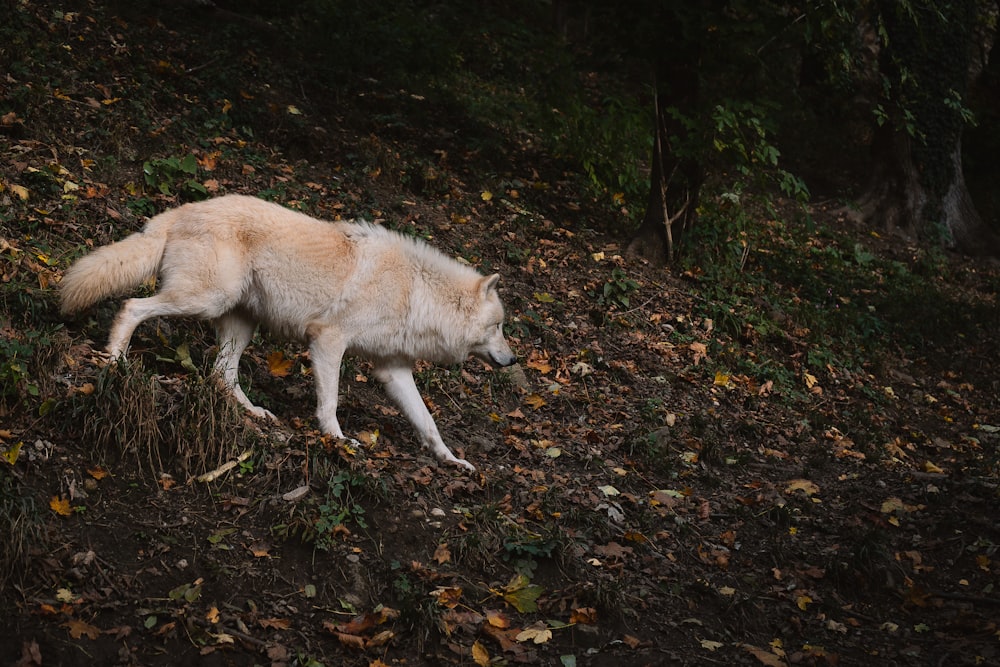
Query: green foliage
x,y
612,141
19,370
15,378
339,507
174,173
317,521
618,290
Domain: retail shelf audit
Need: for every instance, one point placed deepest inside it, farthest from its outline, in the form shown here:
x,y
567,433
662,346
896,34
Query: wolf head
x,y
490,345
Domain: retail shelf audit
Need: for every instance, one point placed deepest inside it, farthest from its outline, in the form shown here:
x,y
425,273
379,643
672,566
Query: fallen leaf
x,y
539,362
278,365
521,594
480,655
448,596
350,641
538,634
804,485
930,467
78,629
497,619
700,352
60,505
97,472
10,455
442,554
710,645
764,656
535,401
584,615
275,623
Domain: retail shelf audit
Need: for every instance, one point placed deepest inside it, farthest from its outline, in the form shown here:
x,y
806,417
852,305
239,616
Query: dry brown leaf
x,y
275,623
764,656
78,629
442,554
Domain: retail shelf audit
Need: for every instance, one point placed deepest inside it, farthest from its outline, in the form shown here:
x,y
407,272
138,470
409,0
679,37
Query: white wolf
x,y
341,287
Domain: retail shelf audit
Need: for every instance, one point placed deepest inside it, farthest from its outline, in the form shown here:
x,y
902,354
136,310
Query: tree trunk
x,y
677,173
917,185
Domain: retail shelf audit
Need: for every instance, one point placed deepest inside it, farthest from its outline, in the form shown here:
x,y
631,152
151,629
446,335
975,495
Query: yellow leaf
x,y
487,195
497,619
10,455
278,365
930,467
710,645
60,505
97,472
535,401
810,380
804,485
212,616
20,191
722,380
480,654
803,601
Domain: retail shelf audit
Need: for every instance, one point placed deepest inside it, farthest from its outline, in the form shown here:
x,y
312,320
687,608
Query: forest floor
x,y
791,463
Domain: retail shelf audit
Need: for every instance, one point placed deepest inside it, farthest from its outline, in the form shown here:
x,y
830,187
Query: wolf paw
x,y
261,413
462,463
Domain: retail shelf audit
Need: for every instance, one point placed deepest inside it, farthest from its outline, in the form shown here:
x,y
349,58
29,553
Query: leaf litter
x,y
640,500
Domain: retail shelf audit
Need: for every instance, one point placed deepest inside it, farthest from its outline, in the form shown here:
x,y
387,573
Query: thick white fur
x,y
342,287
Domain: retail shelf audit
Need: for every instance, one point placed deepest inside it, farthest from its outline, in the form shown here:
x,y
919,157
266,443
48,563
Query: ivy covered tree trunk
x,y
917,186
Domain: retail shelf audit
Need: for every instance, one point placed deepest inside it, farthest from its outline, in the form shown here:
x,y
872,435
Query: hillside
x,y
783,451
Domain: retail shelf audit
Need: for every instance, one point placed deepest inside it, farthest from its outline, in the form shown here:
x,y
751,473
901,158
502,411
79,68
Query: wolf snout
x,y
503,359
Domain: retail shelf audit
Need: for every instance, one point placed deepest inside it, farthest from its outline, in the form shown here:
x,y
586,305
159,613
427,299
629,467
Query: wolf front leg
x,y
399,384
326,349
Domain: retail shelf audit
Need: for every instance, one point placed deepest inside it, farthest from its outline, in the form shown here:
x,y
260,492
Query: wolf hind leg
x,y
401,388
136,311
233,332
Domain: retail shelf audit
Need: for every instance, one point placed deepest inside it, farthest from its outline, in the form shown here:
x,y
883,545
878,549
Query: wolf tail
x,y
115,269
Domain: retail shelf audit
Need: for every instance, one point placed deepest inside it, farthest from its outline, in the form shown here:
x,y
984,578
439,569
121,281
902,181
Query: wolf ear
x,y
488,283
